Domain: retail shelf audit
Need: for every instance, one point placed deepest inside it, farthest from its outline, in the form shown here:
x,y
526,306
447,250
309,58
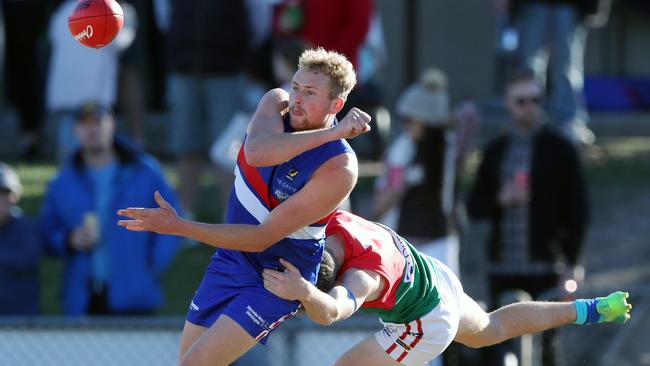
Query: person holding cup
x,y
530,185
108,271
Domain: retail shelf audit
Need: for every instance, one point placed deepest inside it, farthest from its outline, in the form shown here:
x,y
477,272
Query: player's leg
x,y
478,328
191,332
368,352
221,344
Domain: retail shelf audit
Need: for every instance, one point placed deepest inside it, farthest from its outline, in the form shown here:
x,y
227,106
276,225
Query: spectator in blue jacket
x,y
20,251
107,270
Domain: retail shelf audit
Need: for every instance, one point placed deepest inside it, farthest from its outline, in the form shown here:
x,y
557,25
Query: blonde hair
x,y
332,64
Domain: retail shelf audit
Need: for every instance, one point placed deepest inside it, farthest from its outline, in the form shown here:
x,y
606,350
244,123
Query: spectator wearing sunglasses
x,y
530,185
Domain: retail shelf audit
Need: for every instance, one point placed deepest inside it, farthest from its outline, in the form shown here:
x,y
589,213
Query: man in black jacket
x,y
530,185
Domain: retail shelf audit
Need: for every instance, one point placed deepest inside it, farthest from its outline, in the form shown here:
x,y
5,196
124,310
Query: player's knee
x,y
495,332
479,331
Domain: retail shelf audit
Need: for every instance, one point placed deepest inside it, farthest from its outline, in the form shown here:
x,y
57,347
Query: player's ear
x,y
336,105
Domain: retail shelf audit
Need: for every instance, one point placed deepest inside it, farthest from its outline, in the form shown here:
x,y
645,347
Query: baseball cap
x,y
92,109
9,180
426,100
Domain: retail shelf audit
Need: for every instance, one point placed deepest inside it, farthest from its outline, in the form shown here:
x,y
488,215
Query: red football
x,y
95,23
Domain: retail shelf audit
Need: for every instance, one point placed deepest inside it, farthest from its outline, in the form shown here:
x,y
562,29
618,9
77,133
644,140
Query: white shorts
x,y
445,249
421,340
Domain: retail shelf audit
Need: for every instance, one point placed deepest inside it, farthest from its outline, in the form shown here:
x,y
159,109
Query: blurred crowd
x,y
205,64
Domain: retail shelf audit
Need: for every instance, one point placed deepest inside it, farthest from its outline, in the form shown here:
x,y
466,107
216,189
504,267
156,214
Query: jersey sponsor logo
x,y
292,173
284,189
286,186
409,271
281,195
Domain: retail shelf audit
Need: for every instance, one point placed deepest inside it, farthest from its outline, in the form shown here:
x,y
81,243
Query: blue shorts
x,y
237,290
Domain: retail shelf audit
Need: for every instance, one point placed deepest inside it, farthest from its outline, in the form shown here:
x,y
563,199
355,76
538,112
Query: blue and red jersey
x,y
258,190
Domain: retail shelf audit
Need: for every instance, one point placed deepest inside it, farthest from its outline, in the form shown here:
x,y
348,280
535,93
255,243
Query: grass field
x,y
616,168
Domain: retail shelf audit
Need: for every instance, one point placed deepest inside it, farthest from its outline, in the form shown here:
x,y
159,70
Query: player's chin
x,y
300,124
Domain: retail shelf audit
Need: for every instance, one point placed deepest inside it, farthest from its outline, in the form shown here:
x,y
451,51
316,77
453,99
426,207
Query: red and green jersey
x,y
410,276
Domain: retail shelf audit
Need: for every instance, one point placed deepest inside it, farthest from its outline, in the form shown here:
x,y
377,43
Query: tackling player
x,y
418,299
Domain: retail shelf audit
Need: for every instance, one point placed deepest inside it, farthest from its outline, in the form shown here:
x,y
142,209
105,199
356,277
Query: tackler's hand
x,y
287,284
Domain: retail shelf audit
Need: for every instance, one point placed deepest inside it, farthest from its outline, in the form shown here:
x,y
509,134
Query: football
x,y
95,23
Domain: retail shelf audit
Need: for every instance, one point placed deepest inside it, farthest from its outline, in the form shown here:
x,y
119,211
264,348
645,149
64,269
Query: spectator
x,y
530,186
208,45
260,68
422,169
20,251
25,23
107,270
135,67
78,73
557,29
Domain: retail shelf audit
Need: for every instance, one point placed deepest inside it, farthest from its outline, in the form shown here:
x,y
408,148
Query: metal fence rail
x,y
154,341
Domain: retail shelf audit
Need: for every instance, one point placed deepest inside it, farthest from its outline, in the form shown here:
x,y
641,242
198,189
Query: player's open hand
x,y
162,220
353,124
288,285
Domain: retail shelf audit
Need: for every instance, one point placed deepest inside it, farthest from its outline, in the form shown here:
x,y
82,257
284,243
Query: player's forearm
x,y
320,307
248,238
327,308
528,317
276,148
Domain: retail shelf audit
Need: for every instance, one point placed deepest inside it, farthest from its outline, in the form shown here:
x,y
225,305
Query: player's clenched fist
x,y
353,124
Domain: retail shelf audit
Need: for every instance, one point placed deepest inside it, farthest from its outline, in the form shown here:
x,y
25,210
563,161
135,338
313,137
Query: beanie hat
x,y
9,180
426,100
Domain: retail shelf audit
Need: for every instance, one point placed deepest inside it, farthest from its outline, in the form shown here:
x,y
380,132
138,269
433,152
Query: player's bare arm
x,y
343,300
267,144
324,192
323,308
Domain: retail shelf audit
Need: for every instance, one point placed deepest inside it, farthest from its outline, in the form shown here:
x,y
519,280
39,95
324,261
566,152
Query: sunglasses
x,y
521,101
